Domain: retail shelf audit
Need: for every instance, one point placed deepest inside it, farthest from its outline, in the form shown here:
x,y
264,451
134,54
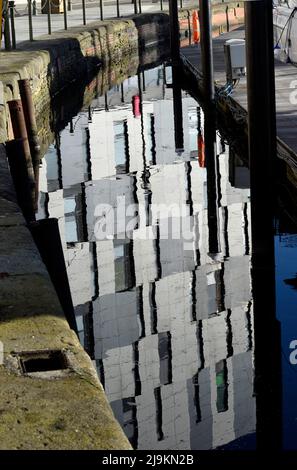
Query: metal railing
x,y
53,8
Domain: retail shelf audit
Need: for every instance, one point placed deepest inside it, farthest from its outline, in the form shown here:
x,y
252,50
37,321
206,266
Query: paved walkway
x,y
285,85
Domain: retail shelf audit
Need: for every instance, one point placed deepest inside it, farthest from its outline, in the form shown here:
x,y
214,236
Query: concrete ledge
x,y
40,410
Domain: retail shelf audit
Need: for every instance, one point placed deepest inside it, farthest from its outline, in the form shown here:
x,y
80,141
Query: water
x,y
286,262
168,324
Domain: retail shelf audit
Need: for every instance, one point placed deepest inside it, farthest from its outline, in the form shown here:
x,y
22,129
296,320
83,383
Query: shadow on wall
x,y
74,58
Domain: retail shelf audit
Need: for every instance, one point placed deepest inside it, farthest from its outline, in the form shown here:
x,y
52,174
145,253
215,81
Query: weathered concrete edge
x,y
39,412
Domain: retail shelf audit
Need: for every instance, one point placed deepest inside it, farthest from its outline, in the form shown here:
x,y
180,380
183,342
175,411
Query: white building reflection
x,y
169,327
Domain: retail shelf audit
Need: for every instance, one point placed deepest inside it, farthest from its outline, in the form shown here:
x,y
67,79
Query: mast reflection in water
x,y
169,325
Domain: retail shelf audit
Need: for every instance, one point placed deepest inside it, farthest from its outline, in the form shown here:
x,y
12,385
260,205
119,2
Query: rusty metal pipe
x,y
32,132
18,119
20,130
24,186
20,134
30,120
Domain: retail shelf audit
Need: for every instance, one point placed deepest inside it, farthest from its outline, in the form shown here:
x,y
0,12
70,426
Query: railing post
x,y
49,10
69,5
227,19
181,3
101,10
122,93
7,41
174,32
34,8
206,49
71,127
84,12
135,7
65,15
140,10
106,102
118,8
175,57
189,28
11,11
161,5
30,20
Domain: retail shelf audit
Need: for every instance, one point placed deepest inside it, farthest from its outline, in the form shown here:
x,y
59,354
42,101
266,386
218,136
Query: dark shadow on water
x,y
291,282
243,443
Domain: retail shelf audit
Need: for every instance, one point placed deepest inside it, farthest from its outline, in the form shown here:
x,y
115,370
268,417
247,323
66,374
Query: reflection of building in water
x,y
170,328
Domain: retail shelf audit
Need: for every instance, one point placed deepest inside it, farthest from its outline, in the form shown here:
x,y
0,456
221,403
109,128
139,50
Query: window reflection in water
x,y
169,326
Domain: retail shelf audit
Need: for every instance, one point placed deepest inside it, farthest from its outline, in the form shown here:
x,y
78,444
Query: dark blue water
x,y
286,277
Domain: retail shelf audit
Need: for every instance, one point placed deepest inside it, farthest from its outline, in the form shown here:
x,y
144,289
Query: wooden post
x,y
210,124
262,158
174,32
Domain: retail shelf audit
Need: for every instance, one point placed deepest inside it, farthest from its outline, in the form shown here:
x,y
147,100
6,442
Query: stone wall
x,y
53,62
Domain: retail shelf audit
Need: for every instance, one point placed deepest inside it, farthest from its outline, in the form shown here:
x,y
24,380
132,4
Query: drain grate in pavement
x,y
42,361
